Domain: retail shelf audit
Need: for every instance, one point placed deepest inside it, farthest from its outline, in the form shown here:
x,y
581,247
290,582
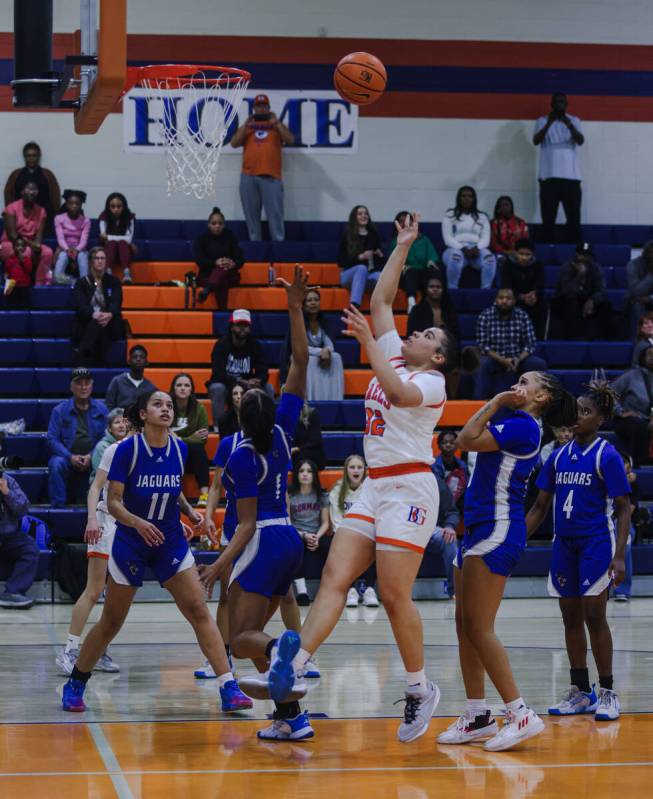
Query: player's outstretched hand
x,y
296,290
151,534
356,325
515,398
408,232
617,570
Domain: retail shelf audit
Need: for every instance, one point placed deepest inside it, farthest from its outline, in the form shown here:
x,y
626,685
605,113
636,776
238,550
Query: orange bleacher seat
x,y
163,377
180,323
175,350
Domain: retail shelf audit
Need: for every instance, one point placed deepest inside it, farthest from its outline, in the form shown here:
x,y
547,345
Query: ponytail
x,y
257,418
561,410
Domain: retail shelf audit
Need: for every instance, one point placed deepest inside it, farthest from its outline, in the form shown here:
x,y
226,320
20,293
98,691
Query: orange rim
x,y
162,74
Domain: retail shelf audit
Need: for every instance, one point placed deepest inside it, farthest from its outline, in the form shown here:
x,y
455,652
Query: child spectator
x,y
644,336
72,229
507,229
307,440
117,233
309,513
341,497
229,423
220,259
18,277
124,389
525,276
466,234
25,220
191,424
561,436
451,468
360,256
421,262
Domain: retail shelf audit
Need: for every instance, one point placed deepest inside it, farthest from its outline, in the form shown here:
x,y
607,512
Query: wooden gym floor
x,y
154,731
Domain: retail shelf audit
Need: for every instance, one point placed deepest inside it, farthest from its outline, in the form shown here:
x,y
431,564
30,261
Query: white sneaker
x,y
515,730
418,713
464,730
609,707
575,702
370,599
353,598
205,672
106,663
66,660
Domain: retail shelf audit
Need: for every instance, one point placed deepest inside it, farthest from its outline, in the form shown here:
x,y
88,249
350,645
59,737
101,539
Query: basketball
x,y
360,78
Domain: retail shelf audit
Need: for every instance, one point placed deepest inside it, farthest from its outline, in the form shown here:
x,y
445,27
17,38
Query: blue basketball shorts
x,y
499,543
270,560
130,556
579,565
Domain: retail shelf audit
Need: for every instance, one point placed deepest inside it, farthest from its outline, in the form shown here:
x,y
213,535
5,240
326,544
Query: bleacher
x,y
36,357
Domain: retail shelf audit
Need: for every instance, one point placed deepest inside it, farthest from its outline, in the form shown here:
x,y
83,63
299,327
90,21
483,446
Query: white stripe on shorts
x,y
493,541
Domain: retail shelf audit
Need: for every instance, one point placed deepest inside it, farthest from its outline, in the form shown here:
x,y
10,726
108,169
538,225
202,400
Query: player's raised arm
x,y
386,287
296,291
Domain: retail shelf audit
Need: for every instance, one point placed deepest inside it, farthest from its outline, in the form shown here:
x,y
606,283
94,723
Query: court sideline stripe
x,y
110,760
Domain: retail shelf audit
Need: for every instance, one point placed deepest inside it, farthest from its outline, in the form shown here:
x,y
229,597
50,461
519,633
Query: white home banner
x,y
321,121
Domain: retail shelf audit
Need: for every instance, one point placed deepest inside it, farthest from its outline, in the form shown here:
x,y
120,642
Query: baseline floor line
x,y
110,761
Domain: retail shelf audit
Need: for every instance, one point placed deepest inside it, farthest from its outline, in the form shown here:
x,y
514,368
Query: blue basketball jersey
x,y
250,474
583,482
498,486
152,479
227,445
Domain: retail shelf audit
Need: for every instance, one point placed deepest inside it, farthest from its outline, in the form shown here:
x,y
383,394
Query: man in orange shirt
x,y
262,136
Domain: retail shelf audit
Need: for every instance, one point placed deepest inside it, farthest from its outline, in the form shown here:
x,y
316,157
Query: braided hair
x,y
561,409
257,417
603,397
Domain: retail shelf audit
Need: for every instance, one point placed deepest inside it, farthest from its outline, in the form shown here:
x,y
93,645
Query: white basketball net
x,y
197,109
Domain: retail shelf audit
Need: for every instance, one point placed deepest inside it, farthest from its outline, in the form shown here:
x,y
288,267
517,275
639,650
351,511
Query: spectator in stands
x,y
229,422
307,440
341,497
72,229
220,259
444,539
325,378
18,277
360,256
560,135
639,293
435,309
262,136
48,194
117,429
124,389
236,357
521,272
506,228
644,336
466,234
561,436
191,424
421,262
97,300
16,547
506,339
451,468
76,426
117,233
25,219
308,505
633,421
580,302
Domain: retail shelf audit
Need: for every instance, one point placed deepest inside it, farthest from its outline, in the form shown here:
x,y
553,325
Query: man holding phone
x,y
559,135
262,137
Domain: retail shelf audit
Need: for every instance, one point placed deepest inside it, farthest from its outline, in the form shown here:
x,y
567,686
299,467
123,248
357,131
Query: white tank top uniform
x,y
398,503
102,549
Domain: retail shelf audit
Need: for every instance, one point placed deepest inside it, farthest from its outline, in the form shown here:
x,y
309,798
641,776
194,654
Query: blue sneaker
x,y
73,696
311,671
297,729
575,702
233,698
281,677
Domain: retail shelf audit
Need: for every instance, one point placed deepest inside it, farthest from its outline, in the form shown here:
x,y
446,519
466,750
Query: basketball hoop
x,y
199,104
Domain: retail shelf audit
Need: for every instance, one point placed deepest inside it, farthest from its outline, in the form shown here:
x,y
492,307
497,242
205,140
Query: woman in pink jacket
x,y
72,229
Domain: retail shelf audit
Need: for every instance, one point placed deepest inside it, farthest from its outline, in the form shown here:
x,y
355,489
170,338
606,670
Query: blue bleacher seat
x,y
338,446
324,231
294,231
157,229
34,483
68,523
51,297
44,324
169,250
57,381
16,350
14,324
27,409
290,251
256,251
545,254
324,252
18,382
612,254
564,252
619,277
31,447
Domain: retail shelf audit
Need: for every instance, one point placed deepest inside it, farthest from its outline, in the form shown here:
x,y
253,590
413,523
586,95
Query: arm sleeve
x,y
324,499
447,233
483,333
16,501
98,453
219,362
83,239
431,252
614,473
115,303
54,436
432,387
110,399
516,435
202,257
242,469
448,515
102,224
81,303
344,259
288,411
546,479
529,339
484,241
58,229
122,461
599,285
107,459
237,253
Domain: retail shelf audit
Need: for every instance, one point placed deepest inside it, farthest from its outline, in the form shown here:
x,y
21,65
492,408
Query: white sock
x,y
73,642
300,586
516,706
475,707
301,658
416,682
223,679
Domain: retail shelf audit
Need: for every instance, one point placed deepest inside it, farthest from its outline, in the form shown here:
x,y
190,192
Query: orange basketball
x,y
360,78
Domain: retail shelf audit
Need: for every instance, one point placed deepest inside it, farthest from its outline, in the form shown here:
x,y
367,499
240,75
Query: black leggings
x,y
197,463
313,563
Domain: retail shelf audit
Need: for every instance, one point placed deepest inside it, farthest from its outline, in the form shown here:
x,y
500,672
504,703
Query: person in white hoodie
x,y
466,234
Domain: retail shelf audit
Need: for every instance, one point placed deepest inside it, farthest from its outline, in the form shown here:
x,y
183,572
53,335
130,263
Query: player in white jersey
x,y
99,533
394,517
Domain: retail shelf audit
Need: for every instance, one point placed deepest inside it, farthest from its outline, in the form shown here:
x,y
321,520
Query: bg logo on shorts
x,y
417,515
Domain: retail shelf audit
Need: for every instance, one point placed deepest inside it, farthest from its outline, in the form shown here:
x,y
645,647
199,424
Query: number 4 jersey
x,y
401,435
584,481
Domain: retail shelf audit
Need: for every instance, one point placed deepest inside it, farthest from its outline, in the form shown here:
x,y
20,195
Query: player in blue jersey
x,y
145,499
266,550
587,482
495,536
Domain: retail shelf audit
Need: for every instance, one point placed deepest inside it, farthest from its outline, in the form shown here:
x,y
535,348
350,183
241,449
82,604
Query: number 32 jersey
x,y
401,435
584,482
